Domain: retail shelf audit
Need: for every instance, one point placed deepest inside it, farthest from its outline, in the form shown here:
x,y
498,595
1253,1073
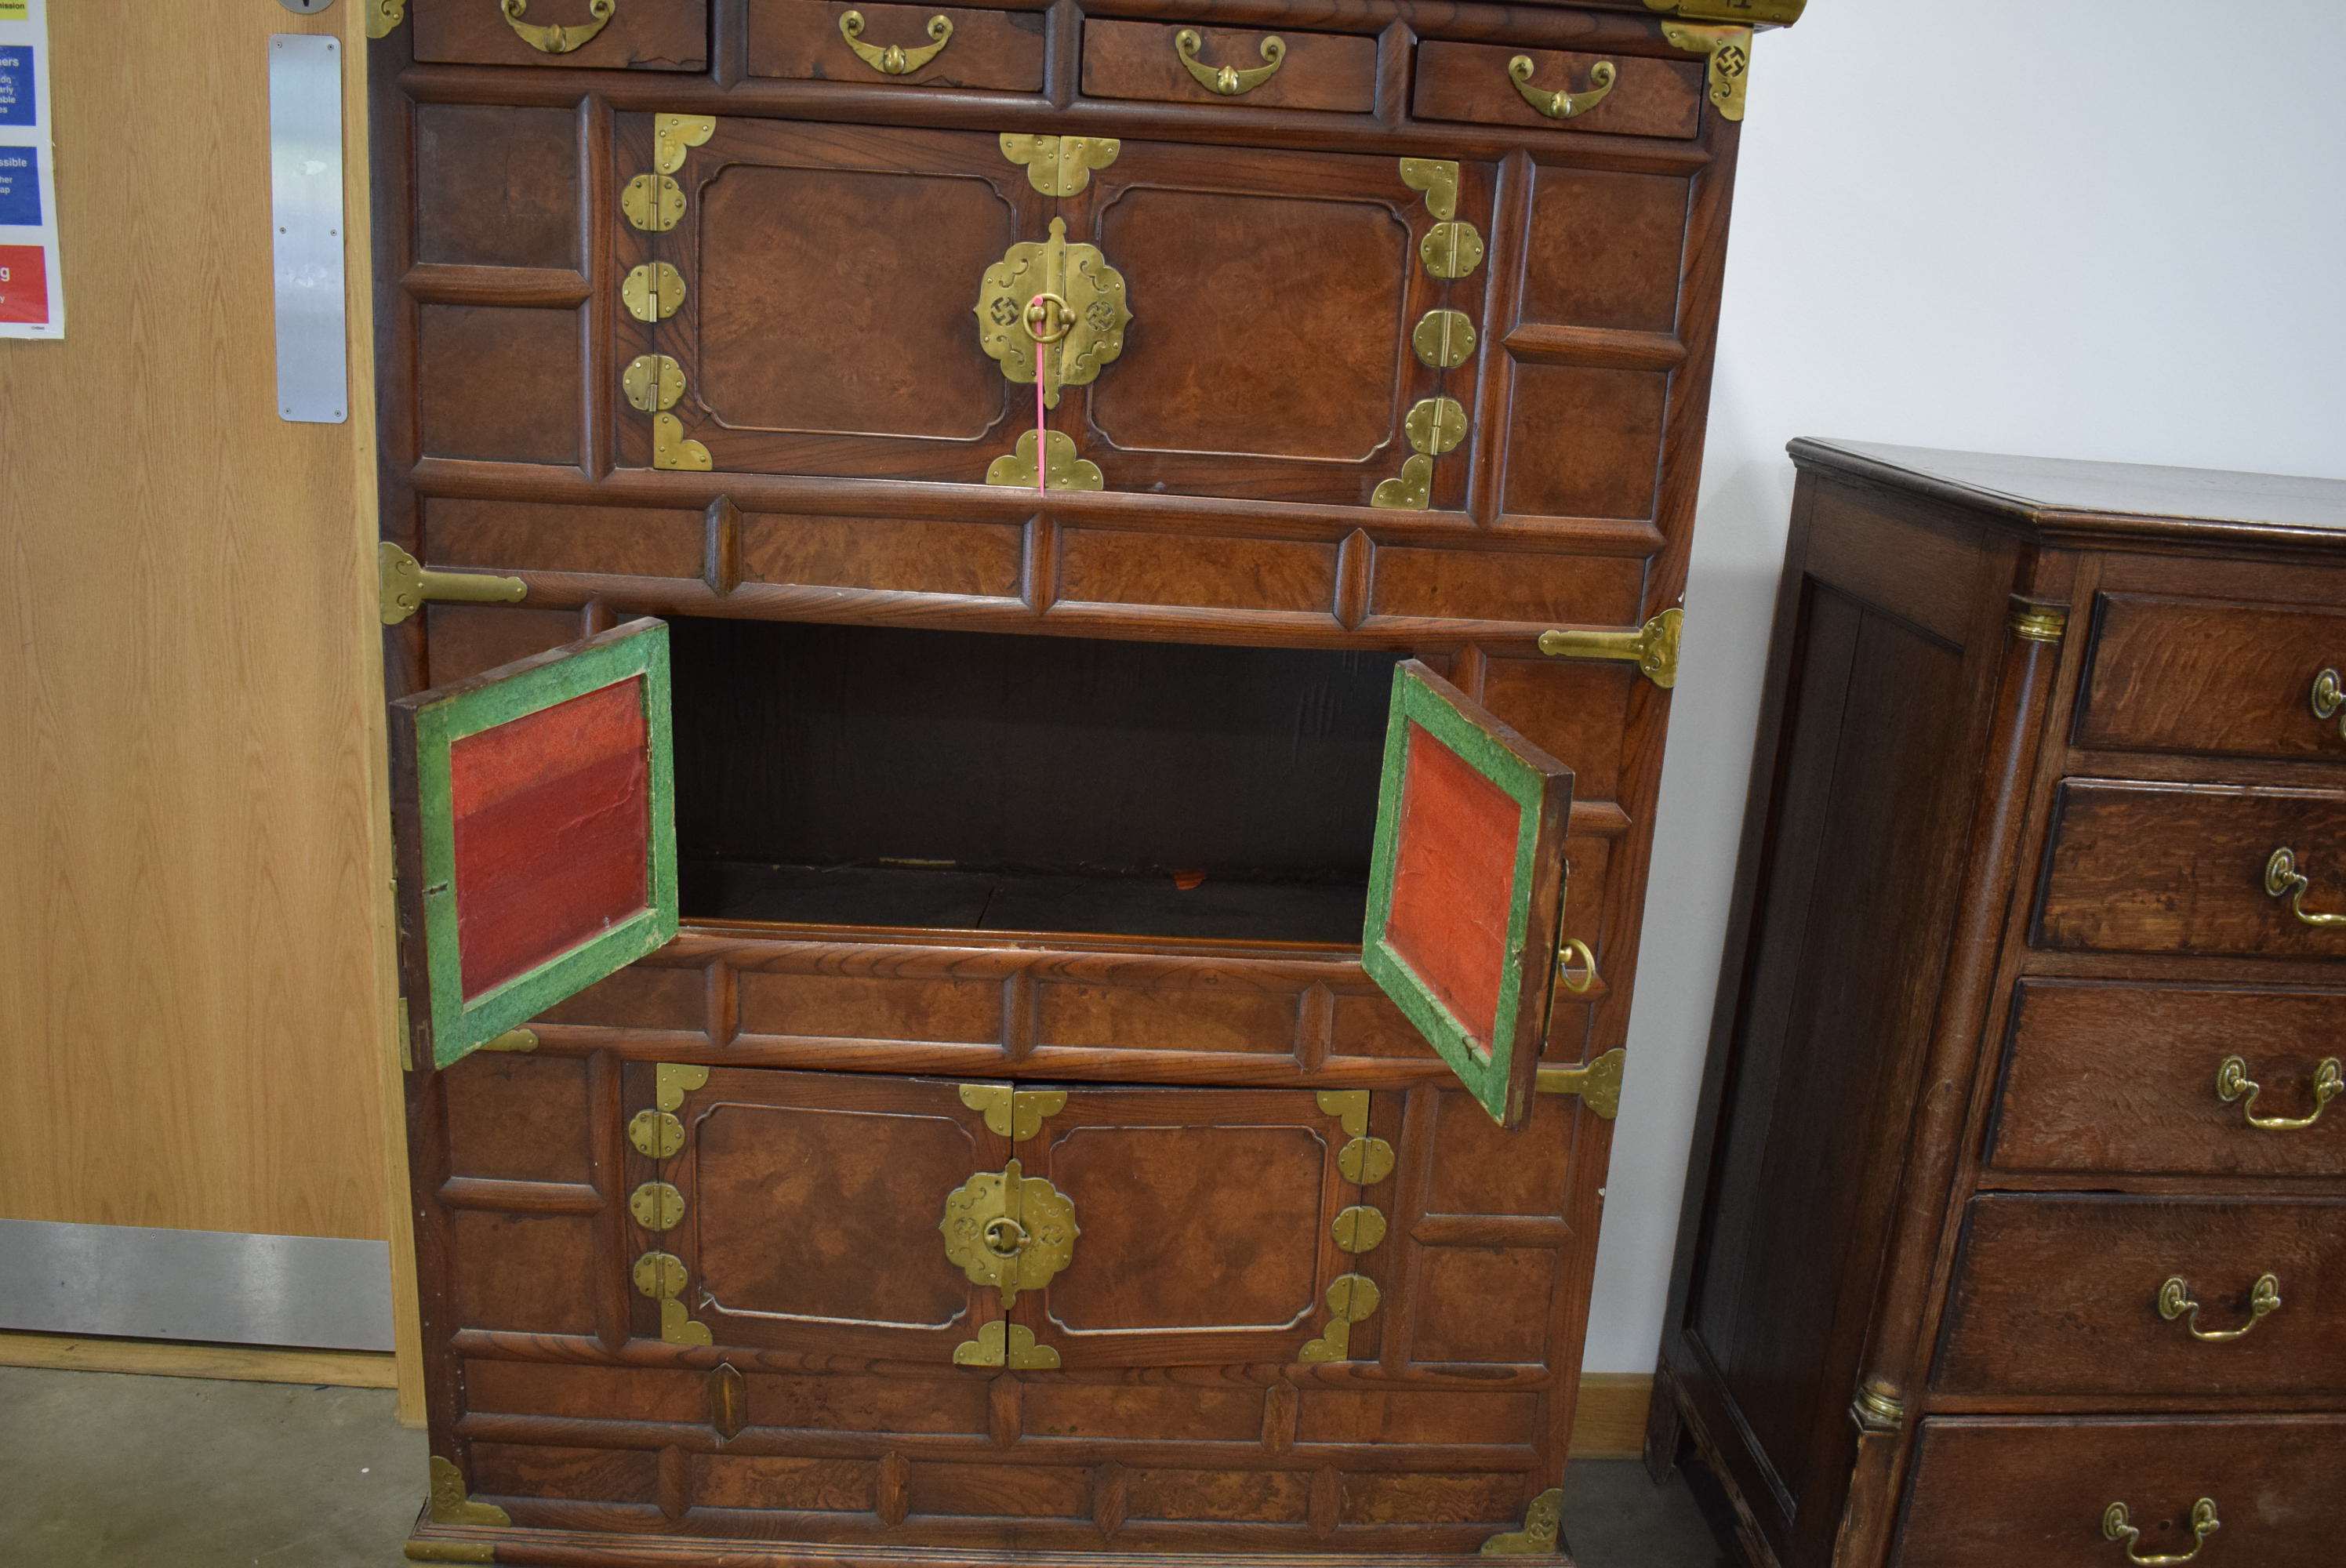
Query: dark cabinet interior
x,y
975,780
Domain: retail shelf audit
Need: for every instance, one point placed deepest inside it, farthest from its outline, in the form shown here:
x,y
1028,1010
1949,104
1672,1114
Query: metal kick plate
x,y
305,202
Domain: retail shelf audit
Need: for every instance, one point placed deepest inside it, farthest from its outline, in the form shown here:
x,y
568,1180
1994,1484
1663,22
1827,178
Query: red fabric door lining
x,y
1454,882
551,813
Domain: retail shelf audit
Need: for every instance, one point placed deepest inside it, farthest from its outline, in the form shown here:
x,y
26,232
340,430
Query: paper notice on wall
x,y
32,298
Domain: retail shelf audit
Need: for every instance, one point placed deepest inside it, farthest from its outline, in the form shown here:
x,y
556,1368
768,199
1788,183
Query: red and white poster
x,y
32,301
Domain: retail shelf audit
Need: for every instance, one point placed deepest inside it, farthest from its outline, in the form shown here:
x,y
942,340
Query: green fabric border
x,y
458,1029
1488,1076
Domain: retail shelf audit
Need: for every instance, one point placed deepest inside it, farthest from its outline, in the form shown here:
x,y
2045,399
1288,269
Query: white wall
x,y
2110,231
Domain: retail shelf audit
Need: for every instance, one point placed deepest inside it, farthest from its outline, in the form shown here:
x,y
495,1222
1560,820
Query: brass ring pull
x,y
2284,881
895,60
2204,1524
1575,948
2329,695
1004,1237
1562,106
2232,1080
1047,318
2175,1301
1227,80
553,38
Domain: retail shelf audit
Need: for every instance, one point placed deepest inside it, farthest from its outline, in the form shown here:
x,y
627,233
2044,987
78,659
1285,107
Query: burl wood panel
x,y
890,555
641,34
1605,249
1586,440
2122,1079
496,187
1470,82
1989,1493
2059,1295
2213,675
498,382
1331,71
800,39
1865,780
542,536
2178,869
519,1118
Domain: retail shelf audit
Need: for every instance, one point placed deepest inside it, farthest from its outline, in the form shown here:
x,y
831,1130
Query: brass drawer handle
x,y
1578,981
2284,881
1229,80
1561,105
895,60
2328,697
2204,1524
553,38
2232,1080
2175,1301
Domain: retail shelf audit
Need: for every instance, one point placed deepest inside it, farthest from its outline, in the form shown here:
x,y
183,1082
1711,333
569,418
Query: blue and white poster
x,y
32,299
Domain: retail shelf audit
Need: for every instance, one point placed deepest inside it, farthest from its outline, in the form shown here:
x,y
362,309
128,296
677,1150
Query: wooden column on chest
x,y
1030,645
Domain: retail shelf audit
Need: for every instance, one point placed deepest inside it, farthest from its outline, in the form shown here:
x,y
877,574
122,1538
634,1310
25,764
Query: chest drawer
x,y
1269,69
2208,675
2081,1296
1481,83
2172,1080
2003,1493
574,35
2178,869
911,45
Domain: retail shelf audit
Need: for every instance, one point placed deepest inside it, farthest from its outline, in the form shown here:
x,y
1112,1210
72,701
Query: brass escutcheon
x,y
2204,1524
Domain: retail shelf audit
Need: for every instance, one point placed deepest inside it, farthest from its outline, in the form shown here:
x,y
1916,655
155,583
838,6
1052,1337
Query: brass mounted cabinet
x,y
1162,544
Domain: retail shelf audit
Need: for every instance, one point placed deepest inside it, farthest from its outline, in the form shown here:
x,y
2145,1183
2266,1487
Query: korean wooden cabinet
x,y
2017,1224
1030,646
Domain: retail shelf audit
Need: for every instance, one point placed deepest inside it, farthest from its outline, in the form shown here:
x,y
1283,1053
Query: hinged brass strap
x,y
404,584
1652,647
1597,1083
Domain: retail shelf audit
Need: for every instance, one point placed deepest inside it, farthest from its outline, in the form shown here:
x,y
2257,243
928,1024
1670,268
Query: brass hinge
x,y
1597,1083
1011,1112
382,15
1750,13
404,584
1652,647
1060,165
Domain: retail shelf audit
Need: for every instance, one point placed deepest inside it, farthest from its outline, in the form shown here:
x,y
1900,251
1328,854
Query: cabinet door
x,y
1466,886
532,806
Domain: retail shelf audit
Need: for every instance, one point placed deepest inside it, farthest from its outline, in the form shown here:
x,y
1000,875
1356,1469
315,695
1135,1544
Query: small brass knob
x,y
1004,1237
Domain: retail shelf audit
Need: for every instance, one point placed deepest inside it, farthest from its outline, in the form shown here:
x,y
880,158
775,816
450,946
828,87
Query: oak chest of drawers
x,y
1030,644
2016,1227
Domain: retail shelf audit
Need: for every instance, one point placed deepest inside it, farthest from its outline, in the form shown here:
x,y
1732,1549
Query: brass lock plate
x,y
1079,322
1009,1230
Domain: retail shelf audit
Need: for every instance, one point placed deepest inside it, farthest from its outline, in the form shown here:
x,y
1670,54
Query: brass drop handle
x,y
2232,1080
554,37
2204,1524
895,60
1578,983
2284,881
1047,318
2328,697
1562,104
1228,81
2175,1301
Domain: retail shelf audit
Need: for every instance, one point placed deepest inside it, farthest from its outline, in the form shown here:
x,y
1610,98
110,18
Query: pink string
x,y
1042,432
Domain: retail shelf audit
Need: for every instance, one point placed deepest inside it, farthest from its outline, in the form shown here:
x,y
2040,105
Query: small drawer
x,y
1331,71
2003,1494
804,40
2207,676
2131,1080
2072,1296
1471,82
638,35
2182,868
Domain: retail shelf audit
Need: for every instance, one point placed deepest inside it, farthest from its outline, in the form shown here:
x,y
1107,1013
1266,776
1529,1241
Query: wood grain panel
x,y
1113,567
498,383
883,553
1164,1018
531,536
496,187
2208,675
1141,1412
581,1475
1585,442
1574,590
871,1007
1605,249
519,1118
1482,1304
200,1002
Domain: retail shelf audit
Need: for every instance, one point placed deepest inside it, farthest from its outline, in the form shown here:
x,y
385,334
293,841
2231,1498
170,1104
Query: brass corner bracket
x,y
418,1551
1729,49
383,16
1877,1406
671,134
2038,621
1750,13
1011,1112
1543,1531
1067,472
452,1499
403,584
1652,647
1597,1083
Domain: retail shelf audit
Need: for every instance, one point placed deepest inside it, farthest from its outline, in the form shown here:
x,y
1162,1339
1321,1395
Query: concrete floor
x,y
183,1473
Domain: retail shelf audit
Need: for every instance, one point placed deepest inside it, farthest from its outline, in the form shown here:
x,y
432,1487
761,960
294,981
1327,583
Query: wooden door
x,y
533,817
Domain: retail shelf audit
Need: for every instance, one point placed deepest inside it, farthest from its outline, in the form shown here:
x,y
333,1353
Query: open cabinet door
x,y
533,808
1466,886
